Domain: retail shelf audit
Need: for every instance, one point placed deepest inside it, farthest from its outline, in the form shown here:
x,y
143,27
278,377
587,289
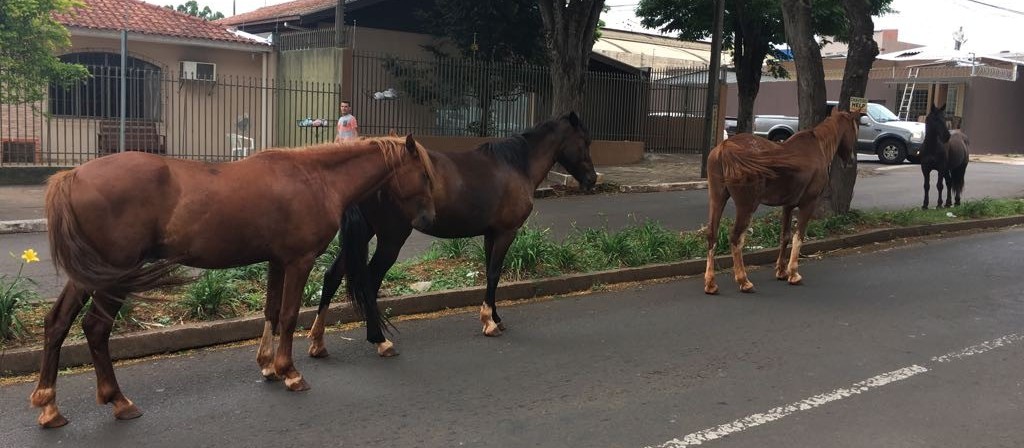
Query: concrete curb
x,y
196,335
22,226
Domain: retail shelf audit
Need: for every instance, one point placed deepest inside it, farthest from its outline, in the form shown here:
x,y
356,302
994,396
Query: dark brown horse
x,y
753,171
122,224
946,153
487,191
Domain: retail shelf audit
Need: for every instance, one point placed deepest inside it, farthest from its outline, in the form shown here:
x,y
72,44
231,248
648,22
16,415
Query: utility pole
x,y
711,108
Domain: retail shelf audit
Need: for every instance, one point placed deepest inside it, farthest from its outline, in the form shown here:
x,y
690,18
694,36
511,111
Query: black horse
x,y
486,191
946,153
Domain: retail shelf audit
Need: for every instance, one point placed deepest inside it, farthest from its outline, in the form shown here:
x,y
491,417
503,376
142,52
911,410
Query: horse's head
x,y
411,186
574,154
935,122
847,126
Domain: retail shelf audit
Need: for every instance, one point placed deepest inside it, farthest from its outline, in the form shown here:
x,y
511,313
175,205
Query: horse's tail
x,y
956,180
742,166
71,251
355,236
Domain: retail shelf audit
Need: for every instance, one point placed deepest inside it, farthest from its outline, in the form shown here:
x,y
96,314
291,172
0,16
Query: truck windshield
x,y
880,113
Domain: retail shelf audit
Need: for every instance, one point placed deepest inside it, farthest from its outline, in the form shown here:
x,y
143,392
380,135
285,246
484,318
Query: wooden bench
x,y
138,136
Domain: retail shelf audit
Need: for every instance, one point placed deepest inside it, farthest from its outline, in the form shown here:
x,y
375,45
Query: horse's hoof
x,y
386,349
747,287
501,326
491,329
296,384
127,412
317,351
51,418
269,374
796,279
781,275
711,289
924,207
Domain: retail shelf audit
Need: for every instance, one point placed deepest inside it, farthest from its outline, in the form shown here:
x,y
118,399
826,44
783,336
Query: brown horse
x,y
946,153
753,171
487,191
122,224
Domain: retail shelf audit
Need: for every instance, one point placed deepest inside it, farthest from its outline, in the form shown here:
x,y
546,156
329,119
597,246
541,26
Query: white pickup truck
x,y
881,133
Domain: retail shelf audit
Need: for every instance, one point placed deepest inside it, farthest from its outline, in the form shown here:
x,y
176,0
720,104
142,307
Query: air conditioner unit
x,y
198,71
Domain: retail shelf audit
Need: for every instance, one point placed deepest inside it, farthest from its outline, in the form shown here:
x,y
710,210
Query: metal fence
x,y
319,38
223,119
664,109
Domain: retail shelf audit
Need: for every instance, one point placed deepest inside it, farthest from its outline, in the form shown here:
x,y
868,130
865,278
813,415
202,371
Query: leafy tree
x,y
752,30
487,30
570,26
29,40
191,7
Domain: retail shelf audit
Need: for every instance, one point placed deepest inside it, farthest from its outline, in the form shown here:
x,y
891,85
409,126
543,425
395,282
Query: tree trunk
x,y
838,194
810,74
570,26
749,54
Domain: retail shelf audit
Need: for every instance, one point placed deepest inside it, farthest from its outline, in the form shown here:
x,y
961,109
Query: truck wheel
x,y
891,151
779,136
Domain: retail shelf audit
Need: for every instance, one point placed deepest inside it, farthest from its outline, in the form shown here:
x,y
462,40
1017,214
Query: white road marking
x,y
892,167
980,348
750,421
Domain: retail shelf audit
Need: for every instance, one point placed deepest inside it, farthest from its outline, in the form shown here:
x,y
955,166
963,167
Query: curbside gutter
x,y
196,335
23,226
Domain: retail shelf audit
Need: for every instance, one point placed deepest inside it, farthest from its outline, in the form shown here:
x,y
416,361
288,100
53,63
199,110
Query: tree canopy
x,y
191,7
29,41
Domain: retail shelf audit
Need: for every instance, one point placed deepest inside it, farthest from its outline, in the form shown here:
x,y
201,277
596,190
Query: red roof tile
x,y
294,8
141,17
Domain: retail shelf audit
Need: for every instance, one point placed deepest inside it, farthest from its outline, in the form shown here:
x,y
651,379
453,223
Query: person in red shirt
x,y
348,127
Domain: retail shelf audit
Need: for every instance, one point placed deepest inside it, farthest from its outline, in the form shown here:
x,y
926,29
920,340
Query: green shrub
x,y
214,294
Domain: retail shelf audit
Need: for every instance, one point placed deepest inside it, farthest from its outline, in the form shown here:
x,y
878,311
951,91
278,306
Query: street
x,y
910,345
891,187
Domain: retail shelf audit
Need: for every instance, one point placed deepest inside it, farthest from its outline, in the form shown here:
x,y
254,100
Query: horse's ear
x,y
574,119
410,145
943,108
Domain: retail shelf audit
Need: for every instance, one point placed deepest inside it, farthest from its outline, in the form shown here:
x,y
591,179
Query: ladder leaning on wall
x,y
908,93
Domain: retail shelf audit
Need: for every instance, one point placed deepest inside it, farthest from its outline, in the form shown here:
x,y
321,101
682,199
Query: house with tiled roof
x,y
175,64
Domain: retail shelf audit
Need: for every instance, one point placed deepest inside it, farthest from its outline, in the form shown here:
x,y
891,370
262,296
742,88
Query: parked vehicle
x,y
881,133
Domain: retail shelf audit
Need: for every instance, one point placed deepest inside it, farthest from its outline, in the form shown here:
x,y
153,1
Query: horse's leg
x,y
786,222
744,211
803,216
949,188
296,274
58,322
940,175
717,197
927,180
496,245
271,316
389,244
98,323
332,281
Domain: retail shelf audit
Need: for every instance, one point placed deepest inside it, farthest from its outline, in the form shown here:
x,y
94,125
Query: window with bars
x,y
100,95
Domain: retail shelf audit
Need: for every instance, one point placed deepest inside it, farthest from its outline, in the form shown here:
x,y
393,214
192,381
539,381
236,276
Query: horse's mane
x,y
392,148
514,150
742,164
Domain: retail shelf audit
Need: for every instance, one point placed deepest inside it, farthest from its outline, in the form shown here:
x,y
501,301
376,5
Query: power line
x,y
1001,8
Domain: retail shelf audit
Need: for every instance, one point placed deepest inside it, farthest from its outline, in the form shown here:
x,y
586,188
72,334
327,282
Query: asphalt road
x,y
919,345
891,187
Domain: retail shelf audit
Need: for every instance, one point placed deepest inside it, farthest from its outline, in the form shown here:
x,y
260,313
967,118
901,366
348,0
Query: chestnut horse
x,y
487,191
121,225
946,153
754,170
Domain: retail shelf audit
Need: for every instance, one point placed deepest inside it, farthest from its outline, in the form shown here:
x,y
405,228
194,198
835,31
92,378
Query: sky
x,y
988,25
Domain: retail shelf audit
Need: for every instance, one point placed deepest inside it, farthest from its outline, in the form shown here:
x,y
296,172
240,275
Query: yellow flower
x,y
30,256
